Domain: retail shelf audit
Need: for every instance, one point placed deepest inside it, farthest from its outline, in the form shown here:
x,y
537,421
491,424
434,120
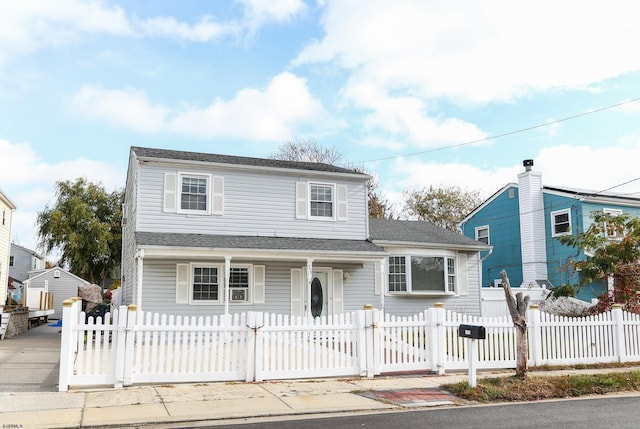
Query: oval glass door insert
x,y
316,298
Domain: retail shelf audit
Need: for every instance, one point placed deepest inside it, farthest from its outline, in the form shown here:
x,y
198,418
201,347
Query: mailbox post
x,y
472,334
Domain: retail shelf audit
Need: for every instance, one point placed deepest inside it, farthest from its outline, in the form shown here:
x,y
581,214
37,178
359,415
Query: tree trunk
x,y
518,310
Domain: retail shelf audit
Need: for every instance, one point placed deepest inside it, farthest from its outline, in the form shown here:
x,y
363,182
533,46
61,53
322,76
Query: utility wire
x,y
509,133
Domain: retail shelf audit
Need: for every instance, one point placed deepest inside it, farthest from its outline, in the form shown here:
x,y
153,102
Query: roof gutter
x,y
474,247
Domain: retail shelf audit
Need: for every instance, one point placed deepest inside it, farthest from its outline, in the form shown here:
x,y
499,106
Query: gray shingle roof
x,y
239,160
254,243
417,232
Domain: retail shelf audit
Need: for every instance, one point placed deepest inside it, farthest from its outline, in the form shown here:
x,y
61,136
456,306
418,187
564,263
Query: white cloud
x,y
407,60
269,114
28,25
127,108
630,106
406,116
259,12
479,52
203,31
591,168
29,182
579,167
273,113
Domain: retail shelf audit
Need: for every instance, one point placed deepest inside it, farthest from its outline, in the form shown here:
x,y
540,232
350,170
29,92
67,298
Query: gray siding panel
x,y
360,291
128,236
254,204
160,291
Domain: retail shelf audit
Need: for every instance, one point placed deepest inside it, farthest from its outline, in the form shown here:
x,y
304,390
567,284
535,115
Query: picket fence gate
x,y
131,346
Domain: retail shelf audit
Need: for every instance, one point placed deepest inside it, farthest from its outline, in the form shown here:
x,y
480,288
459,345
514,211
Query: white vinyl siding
x,y
255,204
283,289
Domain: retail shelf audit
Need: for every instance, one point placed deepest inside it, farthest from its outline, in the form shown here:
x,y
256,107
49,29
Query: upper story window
x,y
194,193
321,200
482,234
561,222
611,230
11,261
422,274
4,216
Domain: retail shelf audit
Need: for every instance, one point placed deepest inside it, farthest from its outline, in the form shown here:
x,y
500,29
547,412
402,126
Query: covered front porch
x,y
223,274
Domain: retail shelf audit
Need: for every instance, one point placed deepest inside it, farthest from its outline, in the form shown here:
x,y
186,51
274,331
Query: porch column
x,y
308,292
227,275
139,266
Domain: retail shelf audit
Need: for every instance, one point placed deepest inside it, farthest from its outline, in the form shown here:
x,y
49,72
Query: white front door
x,y
319,293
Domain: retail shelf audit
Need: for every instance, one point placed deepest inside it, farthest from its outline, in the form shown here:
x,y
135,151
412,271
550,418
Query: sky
x,y
418,93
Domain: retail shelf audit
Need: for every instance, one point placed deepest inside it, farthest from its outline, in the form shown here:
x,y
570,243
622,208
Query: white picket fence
x,y
132,346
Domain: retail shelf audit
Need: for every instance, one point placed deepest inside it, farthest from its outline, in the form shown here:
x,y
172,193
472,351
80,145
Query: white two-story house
x,y
207,234
6,212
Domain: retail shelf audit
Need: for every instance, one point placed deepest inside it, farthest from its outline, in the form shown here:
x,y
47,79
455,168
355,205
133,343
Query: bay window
x,y
422,274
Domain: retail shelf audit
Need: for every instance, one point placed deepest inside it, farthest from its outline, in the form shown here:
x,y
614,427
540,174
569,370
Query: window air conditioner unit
x,y
238,295
497,282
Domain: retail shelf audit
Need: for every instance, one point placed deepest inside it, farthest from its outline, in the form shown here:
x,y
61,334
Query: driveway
x,y
30,362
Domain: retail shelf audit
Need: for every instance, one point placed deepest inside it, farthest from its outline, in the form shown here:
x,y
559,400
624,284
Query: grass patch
x,y
506,389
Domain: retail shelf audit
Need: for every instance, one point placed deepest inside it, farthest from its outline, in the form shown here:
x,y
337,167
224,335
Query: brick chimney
x,y
532,232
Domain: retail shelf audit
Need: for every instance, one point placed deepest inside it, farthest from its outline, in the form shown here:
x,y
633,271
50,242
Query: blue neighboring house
x,y
523,222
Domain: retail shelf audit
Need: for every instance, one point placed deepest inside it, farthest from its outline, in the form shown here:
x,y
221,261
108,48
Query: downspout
x,y
487,255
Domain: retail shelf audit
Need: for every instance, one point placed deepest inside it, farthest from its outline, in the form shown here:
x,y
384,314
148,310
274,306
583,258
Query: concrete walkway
x,y
31,360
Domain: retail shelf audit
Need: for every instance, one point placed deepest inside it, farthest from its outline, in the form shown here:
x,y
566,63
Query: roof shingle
x,y
166,154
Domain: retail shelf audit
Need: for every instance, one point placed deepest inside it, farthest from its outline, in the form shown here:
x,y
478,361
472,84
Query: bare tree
x,y
443,206
518,310
310,151
305,150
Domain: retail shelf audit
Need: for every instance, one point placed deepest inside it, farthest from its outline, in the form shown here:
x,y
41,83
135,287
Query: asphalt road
x,y
619,412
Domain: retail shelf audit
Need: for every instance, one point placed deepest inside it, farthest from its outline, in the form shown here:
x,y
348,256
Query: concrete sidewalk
x,y
30,400
175,403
